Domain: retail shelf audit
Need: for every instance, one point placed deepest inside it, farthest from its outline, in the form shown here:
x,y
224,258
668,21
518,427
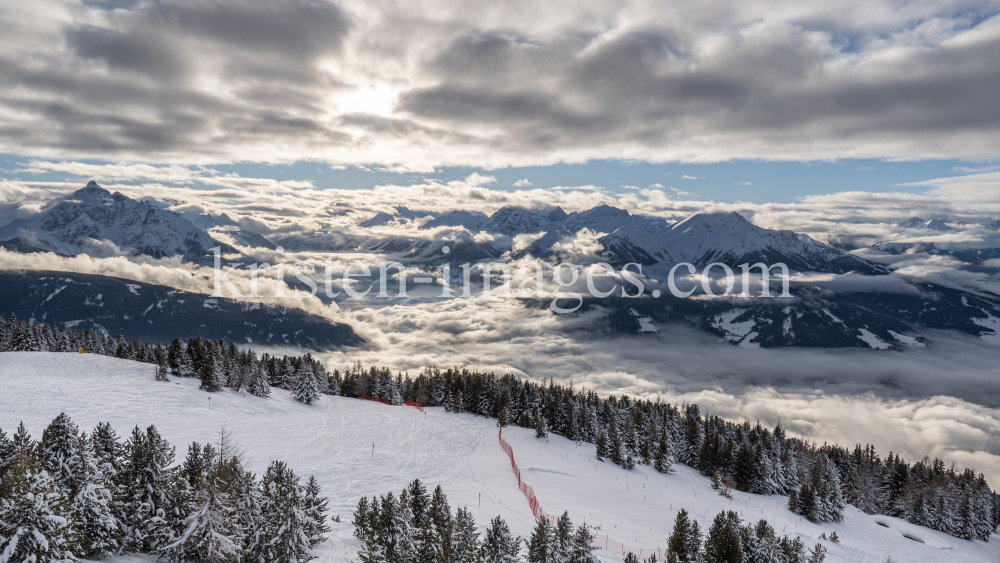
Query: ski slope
x,y
334,440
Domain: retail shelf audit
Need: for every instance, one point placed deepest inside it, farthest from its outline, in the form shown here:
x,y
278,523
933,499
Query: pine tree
x,y
22,339
246,506
209,534
818,554
419,502
583,545
315,508
722,544
541,425
403,523
562,540
366,530
540,545
760,544
440,515
96,529
282,517
304,390
150,491
664,458
426,545
602,445
33,522
616,452
161,373
193,467
209,373
464,538
684,545
500,546
260,385
58,453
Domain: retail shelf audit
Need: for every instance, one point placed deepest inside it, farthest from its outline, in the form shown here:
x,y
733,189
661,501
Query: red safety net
x,y
529,493
601,541
415,405
376,399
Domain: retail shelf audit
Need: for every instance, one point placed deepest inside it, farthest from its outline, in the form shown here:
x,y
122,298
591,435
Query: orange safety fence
x,y
601,541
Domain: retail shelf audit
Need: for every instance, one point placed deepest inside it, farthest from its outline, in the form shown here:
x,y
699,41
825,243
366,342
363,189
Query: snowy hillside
x,y
334,440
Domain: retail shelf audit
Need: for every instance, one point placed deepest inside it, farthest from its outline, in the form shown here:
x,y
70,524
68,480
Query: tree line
x,y
419,527
820,480
74,495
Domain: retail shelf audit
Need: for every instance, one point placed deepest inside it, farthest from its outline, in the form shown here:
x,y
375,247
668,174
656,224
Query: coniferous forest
x,y
420,527
820,480
73,495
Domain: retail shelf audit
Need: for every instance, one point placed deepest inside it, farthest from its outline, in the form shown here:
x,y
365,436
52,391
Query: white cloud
x,y
522,183
686,177
176,82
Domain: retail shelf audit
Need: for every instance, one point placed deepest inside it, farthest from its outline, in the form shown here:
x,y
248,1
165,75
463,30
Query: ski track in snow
x,y
333,440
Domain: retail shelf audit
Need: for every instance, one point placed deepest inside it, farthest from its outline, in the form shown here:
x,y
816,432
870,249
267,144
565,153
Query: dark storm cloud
x,y
427,84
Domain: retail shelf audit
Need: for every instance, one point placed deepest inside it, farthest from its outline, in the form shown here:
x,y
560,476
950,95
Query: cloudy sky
x,y
832,118
722,100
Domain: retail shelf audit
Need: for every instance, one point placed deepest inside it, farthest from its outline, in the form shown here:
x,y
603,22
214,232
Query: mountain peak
x,y
937,225
91,189
712,219
918,223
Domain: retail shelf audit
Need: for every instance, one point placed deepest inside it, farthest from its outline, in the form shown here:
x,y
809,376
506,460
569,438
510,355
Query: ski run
x,y
362,448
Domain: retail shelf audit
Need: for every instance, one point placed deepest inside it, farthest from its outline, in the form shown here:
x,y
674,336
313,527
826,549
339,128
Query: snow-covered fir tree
x,y
540,546
283,520
96,528
304,386
34,520
500,545
209,533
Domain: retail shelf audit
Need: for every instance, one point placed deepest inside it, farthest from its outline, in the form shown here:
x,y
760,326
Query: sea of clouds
x,y
937,401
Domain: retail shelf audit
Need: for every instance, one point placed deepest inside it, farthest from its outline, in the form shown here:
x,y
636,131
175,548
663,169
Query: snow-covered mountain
x,y
513,220
963,252
702,239
93,214
930,225
158,313
472,221
377,220
222,226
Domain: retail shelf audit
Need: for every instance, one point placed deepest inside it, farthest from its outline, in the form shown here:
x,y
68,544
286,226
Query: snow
x,y
645,323
992,323
95,213
908,340
54,293
872,340
735,332
333,440
134,288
